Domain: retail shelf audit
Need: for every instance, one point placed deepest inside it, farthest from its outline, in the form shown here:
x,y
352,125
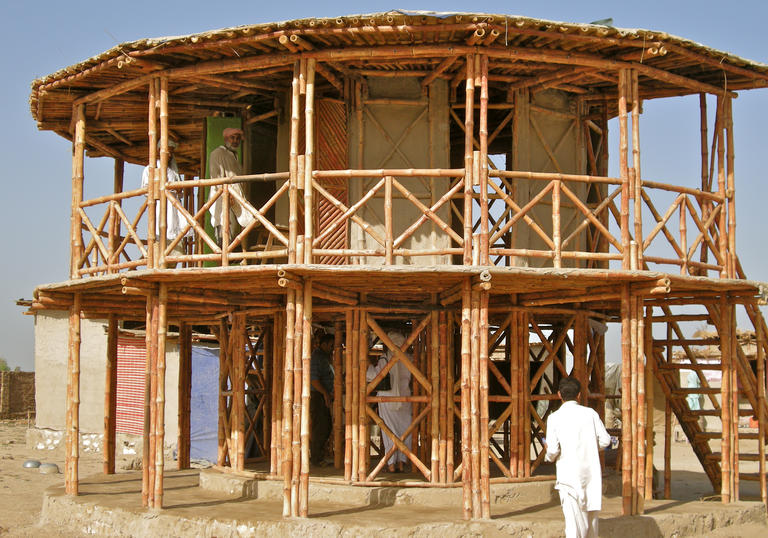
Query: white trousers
x,y
578,523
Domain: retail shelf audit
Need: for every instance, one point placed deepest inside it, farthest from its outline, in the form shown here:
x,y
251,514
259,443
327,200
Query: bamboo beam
x,y
110,397
71,478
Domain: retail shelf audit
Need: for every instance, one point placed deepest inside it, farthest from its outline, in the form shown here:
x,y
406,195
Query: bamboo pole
x,y
450,399
483,179
364,438
145,456
731,185
725,399
152,351
276,433
293,192
354,353
434,359
114,221
237,412
288,368
349,326
475,403
151,185
309,151
162,331
306,356
641,407
513,342
485,491
110,397
626,402
388,223
338,391
650,396
469,127
634,403
525,376
222,336
624,167
298,377
721,183
466,357
184,394
78,157
71,478
162,173
442,358
638,182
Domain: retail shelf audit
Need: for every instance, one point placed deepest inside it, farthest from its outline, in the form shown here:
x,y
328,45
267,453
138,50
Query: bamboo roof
x,y
243,69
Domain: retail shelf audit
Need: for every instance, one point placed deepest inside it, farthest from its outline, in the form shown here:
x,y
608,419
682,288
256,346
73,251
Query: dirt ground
x,y
21,490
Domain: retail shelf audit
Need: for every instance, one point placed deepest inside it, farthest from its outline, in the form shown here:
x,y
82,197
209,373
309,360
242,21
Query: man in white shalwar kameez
x,y
174,218
396,415
574,436
222,163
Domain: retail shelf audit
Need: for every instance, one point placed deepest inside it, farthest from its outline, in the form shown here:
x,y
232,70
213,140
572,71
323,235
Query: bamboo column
x,y
363,436
293,192
731,183
474,403
306,356
287,432
163,173
513,343
110,397
434,359
626,402
726,465
466,437
445,390
579,371
485,475
78,157
338,390
225,370
450,399
309,151
148,452
721,184
650,396
469,129
354,393
640,423
667,450
237,375
298,379
637,183
71,479
185,394
278,369
483,179
624,75
114,221
162,331
525,401
152,184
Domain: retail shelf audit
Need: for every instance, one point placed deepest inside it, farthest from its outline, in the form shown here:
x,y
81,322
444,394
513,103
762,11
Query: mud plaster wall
x,y
549,139
51,344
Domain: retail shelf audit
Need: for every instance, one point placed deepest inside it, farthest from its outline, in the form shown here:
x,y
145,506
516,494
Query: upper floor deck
x,y
398,140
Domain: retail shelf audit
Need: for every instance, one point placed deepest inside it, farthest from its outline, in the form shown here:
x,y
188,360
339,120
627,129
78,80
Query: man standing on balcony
x,y
174,219
223,163
574,436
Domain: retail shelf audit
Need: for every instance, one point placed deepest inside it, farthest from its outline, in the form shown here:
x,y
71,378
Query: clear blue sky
x,y
38,38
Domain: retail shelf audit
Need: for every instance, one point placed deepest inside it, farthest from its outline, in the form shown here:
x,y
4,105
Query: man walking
x,y
574,436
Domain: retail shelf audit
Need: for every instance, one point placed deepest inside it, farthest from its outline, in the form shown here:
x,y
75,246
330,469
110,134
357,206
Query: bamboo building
x,y
376,204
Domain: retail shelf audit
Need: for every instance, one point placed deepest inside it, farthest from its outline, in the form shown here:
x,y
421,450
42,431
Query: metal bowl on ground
x,y
31,464
49,468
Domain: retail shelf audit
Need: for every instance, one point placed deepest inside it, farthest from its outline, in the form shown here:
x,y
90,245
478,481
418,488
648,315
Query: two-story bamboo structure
x,y
376,205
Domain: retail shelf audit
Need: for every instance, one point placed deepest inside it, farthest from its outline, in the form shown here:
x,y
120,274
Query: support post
x,y
626,403
469,129
71,479
624,168
185,395
162,331
110,397
78,158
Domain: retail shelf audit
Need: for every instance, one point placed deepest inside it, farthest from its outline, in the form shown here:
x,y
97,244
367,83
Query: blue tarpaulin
x,y
204,405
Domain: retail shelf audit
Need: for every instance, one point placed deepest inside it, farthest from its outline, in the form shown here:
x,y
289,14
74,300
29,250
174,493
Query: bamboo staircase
x,y
747,390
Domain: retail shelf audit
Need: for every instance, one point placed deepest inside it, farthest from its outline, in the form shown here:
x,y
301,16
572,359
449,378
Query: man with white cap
x,y
222,163
174,219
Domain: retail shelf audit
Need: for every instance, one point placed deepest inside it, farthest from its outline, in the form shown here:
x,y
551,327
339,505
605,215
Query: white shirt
x,y
174,219
223,163
574,433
